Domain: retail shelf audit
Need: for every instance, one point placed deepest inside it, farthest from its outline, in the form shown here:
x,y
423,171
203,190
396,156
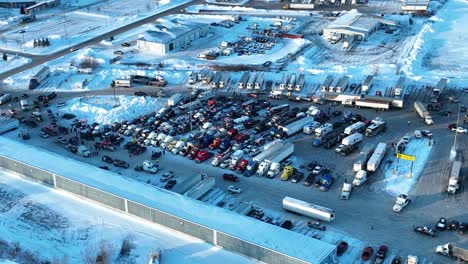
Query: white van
x,y
24,105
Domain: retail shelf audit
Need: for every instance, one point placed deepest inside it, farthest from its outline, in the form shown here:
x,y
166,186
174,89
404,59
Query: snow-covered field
x,y
12,62
440,49
106,110
58,225
236,10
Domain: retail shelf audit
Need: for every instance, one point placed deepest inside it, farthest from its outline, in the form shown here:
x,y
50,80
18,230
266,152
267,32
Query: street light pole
x,y
453,152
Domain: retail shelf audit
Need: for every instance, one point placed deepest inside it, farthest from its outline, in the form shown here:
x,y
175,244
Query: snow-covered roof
x,y
269,236
165,34
358,22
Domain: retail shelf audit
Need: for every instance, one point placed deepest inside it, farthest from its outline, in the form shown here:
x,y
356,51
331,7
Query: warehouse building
x,y
415,6
354,25
165,40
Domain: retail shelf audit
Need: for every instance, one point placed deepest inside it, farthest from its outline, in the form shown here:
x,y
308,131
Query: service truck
x,y
294,127
175,99
201,188
423,113
376,158
367,84
364,155
450,250
454,180
308,209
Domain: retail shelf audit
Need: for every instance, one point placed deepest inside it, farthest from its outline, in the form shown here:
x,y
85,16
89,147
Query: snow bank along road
x,y
38,60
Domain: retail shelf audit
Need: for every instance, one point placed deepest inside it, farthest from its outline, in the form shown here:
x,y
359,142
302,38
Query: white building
x,y
168,39
354,24
415,6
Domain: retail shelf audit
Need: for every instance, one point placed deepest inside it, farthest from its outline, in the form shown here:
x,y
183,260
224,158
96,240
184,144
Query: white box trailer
x,y
284,81
216,80
301,6
400,86
352,139
224,80
334,84
124,82
251,81
268,152
175,99
308,209
376,158
259,81
367,84
296,126
192,78
244,208
243,80
201,188
326,83
375,104
343,84
7,124
423,113
300,82
440,87
292,82
364,155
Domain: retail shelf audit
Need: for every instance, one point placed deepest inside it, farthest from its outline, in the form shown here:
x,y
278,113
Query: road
x,y
38,60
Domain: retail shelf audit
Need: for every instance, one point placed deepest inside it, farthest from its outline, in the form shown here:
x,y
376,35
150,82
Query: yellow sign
x,y
406,157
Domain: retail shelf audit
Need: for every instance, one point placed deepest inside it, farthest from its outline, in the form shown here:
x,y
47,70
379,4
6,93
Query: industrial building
x,y
356,25
168,39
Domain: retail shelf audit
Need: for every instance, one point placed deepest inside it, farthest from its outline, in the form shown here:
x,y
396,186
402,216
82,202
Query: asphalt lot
x,y
367,216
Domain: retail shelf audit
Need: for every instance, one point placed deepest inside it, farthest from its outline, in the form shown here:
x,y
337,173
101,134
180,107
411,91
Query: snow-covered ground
x,y
106,110
74,27
237,10
12,62
73,228
401,180
440,49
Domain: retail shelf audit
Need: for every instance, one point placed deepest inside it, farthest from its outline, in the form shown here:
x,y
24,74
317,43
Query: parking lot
x,y
363,220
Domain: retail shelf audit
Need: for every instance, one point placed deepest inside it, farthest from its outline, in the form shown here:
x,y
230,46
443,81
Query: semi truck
x,y
300,82
175,99
376,158
292,82
334,84
400,86
278,156
216,79
326,83
364,155
439,89
423,113
7,124
268,151
224,80
251,81
300,6
376,126
201,188
308,209
346,190
454,180
367,84
243,80
284,81
259,81
293,128
450,250
39,77
343,84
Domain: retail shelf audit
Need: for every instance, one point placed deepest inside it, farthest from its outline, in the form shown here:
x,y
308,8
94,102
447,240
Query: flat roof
x,y
358,22
266,235
167,34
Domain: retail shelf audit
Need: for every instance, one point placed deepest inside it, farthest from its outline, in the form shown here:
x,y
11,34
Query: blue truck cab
x,y
326,182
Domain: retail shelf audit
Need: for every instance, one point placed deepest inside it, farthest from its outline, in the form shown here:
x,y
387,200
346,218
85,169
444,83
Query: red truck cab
x,y
241,166
232,132
215,144
202,156
193,152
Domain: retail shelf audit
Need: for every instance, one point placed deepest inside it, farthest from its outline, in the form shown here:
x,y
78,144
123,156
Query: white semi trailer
x,y
201,188
308,209
376,158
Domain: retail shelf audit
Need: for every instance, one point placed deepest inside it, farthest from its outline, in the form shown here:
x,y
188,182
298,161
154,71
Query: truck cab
x,y
202,156
83,151
150,167
346,191
288,171
326,182
263,168
361,177
401,202
240,168
275,169
251,168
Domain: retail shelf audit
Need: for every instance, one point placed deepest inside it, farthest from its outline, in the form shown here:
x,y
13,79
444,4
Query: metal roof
x,y
167,34
358,22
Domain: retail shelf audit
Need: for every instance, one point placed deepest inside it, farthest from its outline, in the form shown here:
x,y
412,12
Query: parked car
x,y
310,179
367,253
234,189
311,165
287,225
442,224
107,159
425,231
396,260
341,248
170,184
230,177
381,254
316,225
460,130
121,164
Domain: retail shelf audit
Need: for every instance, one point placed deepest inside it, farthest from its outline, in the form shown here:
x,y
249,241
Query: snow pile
x,y
401,180
106,110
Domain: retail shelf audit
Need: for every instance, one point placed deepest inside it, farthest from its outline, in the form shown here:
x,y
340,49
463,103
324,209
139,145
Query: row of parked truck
x,y
208,77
